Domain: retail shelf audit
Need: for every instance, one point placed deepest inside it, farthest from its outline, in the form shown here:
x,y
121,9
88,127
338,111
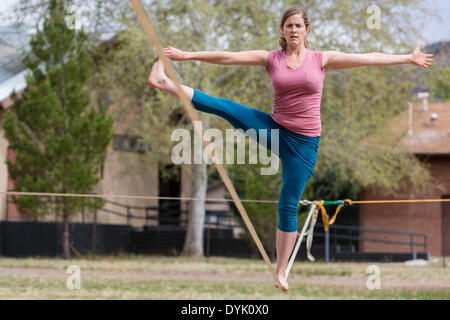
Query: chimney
x,y
410,114
433,117
424,97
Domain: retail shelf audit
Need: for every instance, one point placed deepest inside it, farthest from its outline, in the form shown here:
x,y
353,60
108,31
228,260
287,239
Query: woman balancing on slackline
x,y
297,75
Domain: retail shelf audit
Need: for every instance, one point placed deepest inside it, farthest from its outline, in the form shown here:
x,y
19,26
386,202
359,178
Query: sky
x,y
435,29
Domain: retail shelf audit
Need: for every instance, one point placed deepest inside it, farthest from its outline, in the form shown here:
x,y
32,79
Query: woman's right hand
x,y
175,54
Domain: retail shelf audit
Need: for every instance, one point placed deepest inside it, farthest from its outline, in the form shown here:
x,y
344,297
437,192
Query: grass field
x,y
167,278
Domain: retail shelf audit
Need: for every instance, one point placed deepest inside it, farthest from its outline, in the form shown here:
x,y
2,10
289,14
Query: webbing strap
x,y
321,205
310,235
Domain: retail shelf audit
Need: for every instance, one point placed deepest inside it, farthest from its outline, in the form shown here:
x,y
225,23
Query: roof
x,y
13,42
215,184
12,71
428,137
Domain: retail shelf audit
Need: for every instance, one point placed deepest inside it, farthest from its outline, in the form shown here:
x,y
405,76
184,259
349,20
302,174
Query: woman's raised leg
x,y
240,116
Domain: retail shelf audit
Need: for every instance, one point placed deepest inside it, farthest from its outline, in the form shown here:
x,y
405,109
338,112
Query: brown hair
x,y
290,12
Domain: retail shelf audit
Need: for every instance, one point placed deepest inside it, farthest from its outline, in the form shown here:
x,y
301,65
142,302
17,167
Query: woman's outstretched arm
x,y
251,58
339,60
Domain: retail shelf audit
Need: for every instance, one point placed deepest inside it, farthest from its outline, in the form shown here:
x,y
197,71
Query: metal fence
x,y
169,214
338,243
347,239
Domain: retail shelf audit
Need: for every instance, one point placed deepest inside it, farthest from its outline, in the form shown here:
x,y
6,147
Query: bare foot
x,y
157,78
282,280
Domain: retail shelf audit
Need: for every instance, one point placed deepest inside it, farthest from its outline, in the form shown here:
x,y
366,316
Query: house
x,y
126,171
12,77
424,130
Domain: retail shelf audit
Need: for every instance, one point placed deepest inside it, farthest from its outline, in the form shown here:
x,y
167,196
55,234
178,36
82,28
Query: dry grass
x,y
167,278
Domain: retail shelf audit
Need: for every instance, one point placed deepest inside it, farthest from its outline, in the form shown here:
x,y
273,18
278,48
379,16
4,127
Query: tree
x,y
357,103
60,140
125,74
439,83
250,184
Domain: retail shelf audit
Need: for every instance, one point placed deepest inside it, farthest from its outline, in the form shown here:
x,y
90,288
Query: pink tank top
x,y
297,92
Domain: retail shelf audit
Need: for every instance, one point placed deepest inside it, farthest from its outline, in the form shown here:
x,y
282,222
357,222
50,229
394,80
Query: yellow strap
x,y
325,221
335,214
75,251
324,214
339,207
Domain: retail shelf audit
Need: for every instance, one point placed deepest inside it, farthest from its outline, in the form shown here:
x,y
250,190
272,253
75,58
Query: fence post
x,y
94,231
208,241
411,241
327,245
7,205
425,246
84,209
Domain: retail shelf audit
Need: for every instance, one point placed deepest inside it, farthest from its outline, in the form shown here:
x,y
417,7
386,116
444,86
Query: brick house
x,y
124,172
424,130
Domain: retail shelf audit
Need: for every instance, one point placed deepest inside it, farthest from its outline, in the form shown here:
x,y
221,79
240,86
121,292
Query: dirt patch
x,y
355,281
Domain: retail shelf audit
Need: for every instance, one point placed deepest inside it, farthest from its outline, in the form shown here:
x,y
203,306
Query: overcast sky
x,y
435,29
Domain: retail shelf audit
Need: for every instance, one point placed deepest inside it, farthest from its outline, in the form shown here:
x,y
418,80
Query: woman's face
x,y
294,30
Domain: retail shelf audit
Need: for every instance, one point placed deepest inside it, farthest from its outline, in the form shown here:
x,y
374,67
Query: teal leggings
x,y
298,153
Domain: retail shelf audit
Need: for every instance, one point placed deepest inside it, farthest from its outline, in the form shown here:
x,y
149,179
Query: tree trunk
x,y
193,244
65,236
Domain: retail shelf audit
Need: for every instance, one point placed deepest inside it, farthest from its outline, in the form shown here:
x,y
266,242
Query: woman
x,y
296,74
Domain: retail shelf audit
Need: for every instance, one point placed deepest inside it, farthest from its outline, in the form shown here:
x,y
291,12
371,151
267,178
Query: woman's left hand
x,y
421,59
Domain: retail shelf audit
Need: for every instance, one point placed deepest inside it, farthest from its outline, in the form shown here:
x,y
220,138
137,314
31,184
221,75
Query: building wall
x,y
422,217
127,174
7,209
124,173
217,192
12,213
3,172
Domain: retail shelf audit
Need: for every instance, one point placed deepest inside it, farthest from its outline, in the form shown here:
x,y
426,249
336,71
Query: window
x,y
130,143
106,100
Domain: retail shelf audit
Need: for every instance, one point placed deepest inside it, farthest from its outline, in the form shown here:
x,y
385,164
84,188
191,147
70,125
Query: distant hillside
x,y
441,56
440,50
